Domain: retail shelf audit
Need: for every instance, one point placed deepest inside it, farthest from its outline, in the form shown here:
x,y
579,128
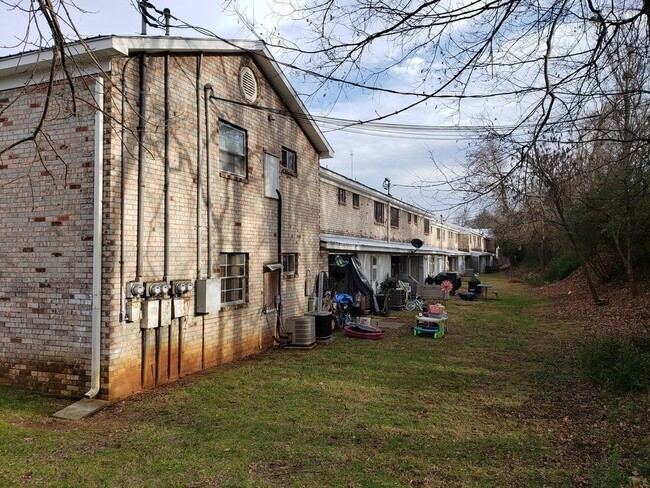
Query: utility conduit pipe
x,y
167,169
122,183
208,88
142,68
199,172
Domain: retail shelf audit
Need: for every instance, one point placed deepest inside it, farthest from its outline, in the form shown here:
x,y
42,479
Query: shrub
x,y
620,364
388,284
561,267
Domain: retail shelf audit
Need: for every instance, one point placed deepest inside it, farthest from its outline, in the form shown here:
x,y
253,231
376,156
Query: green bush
x,y
620,364
388,284
561,267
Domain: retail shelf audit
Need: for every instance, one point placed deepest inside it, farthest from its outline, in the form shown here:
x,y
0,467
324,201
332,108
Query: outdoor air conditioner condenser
x,y
303,330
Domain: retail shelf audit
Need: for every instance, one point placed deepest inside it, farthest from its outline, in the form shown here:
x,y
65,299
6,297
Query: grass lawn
x,y
497,402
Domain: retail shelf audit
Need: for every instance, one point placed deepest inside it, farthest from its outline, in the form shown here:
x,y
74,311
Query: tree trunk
x,y
626,259
585,269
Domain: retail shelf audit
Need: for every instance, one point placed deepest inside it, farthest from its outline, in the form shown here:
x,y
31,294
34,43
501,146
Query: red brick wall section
x,y
46,244
242,219
46,206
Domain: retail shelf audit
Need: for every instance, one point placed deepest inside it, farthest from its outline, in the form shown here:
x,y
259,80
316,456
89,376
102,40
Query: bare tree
x,y
555,64
553,58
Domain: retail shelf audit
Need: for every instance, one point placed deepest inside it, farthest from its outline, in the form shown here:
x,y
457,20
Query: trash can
x,y
323,325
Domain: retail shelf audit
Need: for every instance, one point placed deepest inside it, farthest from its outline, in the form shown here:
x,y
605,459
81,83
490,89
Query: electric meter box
x,y
150,314
208,295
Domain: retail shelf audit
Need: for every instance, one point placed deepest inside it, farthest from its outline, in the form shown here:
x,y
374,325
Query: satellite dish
x,y
417,243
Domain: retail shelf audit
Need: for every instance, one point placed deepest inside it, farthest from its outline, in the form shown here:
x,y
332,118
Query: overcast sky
x,y
369,159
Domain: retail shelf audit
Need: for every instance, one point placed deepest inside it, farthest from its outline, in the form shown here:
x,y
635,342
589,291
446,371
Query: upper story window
x,y
342,196
289,160
427,226
409,217
443,234
394,217
379,212
232,149
355,200
289,264
233,278
438,233
415,219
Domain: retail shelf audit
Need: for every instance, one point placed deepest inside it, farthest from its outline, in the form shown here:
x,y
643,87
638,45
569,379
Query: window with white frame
x,y
289,160
373,269
232,149
234,271
379,212
289,264
342,196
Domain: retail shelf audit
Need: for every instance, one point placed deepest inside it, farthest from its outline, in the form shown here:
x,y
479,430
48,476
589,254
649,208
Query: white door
x,y
271,175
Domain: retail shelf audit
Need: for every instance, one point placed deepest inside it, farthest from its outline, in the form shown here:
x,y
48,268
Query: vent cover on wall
x,y
248,84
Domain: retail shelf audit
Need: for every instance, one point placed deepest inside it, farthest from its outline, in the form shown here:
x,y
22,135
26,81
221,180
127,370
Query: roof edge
x,y
97,50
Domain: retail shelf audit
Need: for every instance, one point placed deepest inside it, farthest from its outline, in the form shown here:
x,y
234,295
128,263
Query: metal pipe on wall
x,y
199,173
122,182
167,168
279,313
208,88
141,166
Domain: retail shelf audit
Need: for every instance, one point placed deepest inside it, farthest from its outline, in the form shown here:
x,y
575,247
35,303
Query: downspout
x,y
141,166
388,222
279,314
199,173
167,168
96,318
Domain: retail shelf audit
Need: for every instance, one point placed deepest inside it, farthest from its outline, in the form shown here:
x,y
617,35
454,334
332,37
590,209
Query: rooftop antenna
x,y
143,13
167,13
351,164
386,186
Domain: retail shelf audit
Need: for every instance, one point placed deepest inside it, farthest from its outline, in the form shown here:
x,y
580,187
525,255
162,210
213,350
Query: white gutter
x,y
96,326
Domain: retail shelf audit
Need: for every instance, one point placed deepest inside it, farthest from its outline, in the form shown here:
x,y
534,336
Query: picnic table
x,y
483,289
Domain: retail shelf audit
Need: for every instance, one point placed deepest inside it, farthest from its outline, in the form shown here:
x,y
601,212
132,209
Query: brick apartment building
x,y
378,229
177,164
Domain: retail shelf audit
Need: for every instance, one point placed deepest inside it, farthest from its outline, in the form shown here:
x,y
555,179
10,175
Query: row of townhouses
x,y
380,229
165,219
